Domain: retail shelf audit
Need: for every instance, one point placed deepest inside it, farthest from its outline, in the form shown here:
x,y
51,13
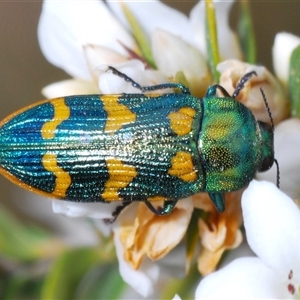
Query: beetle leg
x,y
165,210
116,213
212,91
219,201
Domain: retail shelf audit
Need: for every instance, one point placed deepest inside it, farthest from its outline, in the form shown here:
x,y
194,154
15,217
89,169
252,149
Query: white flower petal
x,y
145,278
272,223
287,145
176,297
98,55
227,40
150,274
238,68
183,57
283,47
66,26
70,87
92,210
110,83
152,15
244,278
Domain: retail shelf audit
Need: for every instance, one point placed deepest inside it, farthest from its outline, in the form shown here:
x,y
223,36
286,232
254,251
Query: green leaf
x,y
212,39
185,287
20,287
67,272
140,36
102,282
23,242
246,32
192,237
294,82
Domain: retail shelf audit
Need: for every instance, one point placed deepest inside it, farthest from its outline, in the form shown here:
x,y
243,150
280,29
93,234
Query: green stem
x,y
212,39
139,35
246,32
294,82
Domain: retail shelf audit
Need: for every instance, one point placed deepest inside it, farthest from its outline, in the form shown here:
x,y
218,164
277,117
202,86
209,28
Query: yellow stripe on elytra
x,y
117,114
181,121
63,179
157,198
183,167
120,175
61,113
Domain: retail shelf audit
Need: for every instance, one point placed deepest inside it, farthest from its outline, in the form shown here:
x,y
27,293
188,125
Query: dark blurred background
x,y
24,70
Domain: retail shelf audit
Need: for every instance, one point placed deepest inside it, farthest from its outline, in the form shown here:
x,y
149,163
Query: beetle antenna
x,y
242,82
278,174
268,108
168,85
272,124
125,77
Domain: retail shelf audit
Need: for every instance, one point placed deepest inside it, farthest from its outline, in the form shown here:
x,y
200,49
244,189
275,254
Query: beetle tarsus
x,y
116,213
165,210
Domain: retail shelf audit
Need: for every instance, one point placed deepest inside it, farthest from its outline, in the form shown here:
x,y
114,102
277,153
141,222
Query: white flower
x,y
217,232
153,15
183,58
77,209
65,27
69,87
272,223
142,239
283,47
79,37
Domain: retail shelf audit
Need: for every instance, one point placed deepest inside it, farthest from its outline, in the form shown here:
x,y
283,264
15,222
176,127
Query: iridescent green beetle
x,y
136,147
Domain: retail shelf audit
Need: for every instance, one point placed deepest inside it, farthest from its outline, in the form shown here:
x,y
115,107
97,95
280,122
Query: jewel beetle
x,y
136,147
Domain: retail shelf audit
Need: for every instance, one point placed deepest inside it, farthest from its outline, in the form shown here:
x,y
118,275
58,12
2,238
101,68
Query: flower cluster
x,y
152,44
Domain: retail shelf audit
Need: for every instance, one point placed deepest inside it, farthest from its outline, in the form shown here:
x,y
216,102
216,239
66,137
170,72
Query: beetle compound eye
x,y
267,127
267,149
267,163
